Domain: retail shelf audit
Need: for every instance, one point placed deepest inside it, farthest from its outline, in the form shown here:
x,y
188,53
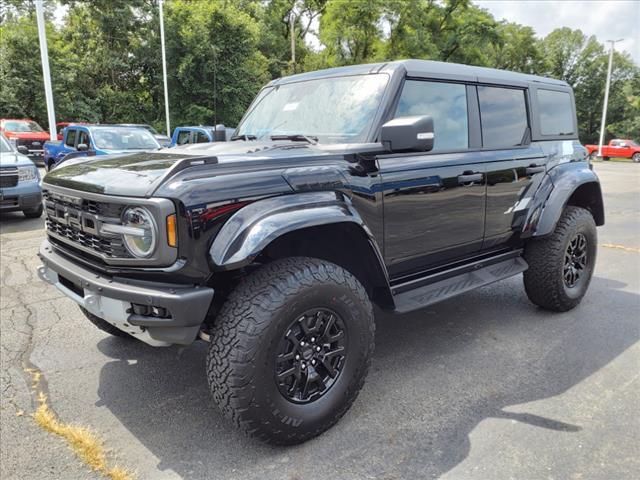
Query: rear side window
x,y
183,137
447,105
70,141
503,113
201,138
556,112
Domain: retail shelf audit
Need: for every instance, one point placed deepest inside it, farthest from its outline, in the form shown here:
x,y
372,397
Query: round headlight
x,y
142,241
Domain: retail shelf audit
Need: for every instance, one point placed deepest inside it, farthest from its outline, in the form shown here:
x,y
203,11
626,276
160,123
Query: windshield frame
x,y
95,129
370,132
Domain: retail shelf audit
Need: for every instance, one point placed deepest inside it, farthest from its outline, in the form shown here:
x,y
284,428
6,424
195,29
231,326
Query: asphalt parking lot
x,y
483,386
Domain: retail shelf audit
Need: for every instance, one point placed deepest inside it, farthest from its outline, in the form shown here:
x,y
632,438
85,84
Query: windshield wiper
x,y
297,137
244,137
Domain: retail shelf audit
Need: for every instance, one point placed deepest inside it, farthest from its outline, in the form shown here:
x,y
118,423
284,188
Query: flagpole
x,y
164,69
46,74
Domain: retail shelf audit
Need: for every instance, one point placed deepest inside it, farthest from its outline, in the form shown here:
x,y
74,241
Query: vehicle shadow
x,y
436,374
14,222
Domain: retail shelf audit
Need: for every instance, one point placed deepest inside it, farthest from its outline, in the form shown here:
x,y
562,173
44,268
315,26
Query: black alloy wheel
x,y
311,355
575,260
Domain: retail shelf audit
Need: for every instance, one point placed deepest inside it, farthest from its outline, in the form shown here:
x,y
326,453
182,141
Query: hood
x,y
139,174
44,136
14,159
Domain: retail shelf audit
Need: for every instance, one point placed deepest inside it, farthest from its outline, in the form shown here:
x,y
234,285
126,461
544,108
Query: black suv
x,y
398,184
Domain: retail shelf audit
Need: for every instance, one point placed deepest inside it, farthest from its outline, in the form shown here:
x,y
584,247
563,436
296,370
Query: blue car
x,y
19,182
87,140
201,134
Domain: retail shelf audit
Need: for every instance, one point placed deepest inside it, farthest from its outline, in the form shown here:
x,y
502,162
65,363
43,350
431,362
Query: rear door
x,y
434,202
512,161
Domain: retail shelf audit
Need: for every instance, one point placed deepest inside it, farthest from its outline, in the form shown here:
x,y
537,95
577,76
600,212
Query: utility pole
x,y
164,69
44,57
606,96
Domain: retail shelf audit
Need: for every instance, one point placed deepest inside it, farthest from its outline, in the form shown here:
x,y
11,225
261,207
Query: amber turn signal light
x,y
172,230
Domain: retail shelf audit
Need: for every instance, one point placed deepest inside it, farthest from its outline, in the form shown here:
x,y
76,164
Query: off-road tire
x,y
543,281
34,213
245,339
104,325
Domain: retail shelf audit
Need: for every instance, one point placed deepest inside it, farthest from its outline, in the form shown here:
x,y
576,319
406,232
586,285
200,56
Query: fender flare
x,y
252,228
566,180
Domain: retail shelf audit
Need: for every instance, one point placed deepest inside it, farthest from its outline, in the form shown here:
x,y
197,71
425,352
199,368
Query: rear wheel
x,y
290,349
636,157
561,264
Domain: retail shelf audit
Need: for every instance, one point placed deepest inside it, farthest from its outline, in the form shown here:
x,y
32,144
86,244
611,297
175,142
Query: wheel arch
x,y
575,185
321,225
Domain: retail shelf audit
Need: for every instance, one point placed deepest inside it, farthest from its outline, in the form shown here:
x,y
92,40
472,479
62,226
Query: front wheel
x,y
290,349
34,212
561,264
593,156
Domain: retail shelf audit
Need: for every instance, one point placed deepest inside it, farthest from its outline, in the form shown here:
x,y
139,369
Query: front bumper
x,y
37,157
24,196
111,298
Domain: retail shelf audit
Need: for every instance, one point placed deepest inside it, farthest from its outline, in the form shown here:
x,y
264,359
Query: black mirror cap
x,y
23,150
83,147
413,133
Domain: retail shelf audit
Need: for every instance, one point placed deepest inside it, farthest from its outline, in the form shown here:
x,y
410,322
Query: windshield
x,y
123,138
22,126
333,110
4,145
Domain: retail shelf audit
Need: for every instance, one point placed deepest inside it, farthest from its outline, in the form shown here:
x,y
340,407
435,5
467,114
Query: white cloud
x,y
607,20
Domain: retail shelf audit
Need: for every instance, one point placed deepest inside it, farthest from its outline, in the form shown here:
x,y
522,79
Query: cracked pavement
x,y
483,386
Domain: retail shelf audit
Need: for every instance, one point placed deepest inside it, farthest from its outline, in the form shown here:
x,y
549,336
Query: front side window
x,y
70,141
334,110
83,137
503,114
556,112
446,103
183,137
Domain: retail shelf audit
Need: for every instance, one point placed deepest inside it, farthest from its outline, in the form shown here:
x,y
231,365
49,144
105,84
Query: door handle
x,y
534,169
469,178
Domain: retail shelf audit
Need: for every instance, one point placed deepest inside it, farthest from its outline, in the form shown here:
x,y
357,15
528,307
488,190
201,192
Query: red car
x,y
25,132
617,148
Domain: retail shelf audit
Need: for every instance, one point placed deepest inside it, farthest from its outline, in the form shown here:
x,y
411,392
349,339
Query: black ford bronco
x,y
398,184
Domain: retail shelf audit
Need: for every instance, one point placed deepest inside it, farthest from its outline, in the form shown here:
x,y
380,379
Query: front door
x,y
434,202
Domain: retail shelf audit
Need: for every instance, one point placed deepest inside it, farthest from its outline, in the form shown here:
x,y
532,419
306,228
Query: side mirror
x,y
23,150
82,147
408,134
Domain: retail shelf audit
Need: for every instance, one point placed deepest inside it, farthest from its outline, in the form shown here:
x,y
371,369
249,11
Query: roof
x,y
429,69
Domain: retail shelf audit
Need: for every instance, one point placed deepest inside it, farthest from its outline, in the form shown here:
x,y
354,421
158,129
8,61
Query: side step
x,y
437,291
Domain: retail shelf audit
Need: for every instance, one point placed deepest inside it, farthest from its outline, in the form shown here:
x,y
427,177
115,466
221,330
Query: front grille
x,y
8,177
77,221
30,144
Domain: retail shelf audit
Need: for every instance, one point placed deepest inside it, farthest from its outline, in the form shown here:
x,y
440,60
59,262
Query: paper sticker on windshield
x,y
290,107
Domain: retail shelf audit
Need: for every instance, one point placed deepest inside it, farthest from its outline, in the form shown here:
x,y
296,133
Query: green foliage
x,y
106,66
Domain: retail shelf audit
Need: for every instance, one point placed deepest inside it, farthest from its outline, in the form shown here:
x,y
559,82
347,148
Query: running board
x,y
420,297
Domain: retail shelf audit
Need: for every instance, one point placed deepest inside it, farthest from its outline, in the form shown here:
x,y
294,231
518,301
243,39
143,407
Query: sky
x,y
607,20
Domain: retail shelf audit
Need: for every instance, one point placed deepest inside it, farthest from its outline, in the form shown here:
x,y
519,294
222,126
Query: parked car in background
x,y
399,184
617,147
201,134
163,140
60,126
80,140
19,182
27,133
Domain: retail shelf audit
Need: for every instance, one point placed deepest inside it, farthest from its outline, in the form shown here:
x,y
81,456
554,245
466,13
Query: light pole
x,y
606,96
44,57
164,69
